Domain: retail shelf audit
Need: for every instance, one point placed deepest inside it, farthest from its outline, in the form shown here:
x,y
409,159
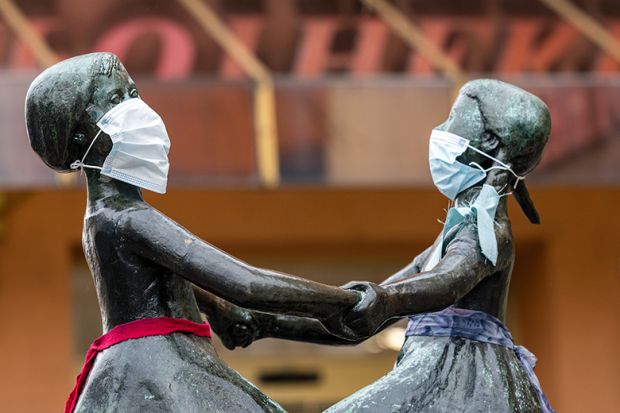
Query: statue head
x,y
64,103
507,123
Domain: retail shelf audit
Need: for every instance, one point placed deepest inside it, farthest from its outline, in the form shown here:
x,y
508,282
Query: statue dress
x,y
455,360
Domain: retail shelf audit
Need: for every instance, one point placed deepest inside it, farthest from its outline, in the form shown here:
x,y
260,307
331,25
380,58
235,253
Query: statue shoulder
x,y
138,216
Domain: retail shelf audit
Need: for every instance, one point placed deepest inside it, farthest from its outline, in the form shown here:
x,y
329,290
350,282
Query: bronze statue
x,y
458,355
85,113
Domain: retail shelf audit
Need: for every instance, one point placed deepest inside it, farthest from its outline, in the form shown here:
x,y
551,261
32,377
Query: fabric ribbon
x,y
477,326
484,208
130,331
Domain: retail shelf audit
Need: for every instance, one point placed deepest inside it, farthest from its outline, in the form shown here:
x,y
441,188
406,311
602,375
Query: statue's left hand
x,y
370,312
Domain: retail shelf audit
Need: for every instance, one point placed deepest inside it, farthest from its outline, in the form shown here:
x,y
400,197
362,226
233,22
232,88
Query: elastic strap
x,y
80,163
503,165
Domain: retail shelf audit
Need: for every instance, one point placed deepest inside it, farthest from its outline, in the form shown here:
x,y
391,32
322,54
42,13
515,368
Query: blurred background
x,y
299,136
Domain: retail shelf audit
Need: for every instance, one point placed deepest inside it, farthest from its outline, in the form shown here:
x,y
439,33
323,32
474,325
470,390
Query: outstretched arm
x,y
458,272
239,327
156,237
309,330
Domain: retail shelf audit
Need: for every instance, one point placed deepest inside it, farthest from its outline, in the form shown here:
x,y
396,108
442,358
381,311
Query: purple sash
x,y
477,326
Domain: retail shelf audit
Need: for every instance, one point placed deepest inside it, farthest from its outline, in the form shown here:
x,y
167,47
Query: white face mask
x,y
140,146
450,176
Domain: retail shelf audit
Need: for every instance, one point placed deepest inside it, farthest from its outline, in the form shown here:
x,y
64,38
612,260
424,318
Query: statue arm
x,y
309,330
163,241
239,327
458,272
302,329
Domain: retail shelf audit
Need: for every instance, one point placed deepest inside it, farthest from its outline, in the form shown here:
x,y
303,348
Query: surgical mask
x,y
140,146
450,176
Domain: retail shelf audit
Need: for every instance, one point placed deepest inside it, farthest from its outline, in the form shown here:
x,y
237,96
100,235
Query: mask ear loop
x,y
79,164
503,165
502,190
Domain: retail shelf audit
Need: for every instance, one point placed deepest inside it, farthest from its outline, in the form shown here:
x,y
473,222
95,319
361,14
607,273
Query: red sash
x,y
136,329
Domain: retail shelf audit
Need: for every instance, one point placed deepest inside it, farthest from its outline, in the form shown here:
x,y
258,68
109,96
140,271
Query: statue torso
x,y
130,287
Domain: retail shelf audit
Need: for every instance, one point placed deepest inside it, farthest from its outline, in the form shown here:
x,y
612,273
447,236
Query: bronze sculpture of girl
x,y
458,355
85,113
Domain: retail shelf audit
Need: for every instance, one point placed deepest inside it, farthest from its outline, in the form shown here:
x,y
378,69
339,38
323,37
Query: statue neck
x,y
101,187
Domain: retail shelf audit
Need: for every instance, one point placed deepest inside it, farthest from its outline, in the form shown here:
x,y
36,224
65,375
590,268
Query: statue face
x,y
110,91
466,120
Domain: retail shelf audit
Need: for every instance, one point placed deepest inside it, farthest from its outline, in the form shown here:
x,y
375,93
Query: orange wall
x,y
566,291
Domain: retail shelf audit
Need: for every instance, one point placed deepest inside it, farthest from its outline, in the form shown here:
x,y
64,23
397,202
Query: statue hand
x,y
236,327
337,327
370,312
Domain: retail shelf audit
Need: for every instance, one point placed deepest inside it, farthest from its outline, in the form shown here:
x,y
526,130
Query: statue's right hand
x,y
236,327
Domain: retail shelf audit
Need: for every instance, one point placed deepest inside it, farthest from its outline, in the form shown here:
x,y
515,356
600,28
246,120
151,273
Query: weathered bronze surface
x,y
144,264
439,374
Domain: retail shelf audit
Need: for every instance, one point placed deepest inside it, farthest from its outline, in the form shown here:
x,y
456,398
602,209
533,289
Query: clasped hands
x,y
239,327
369,314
